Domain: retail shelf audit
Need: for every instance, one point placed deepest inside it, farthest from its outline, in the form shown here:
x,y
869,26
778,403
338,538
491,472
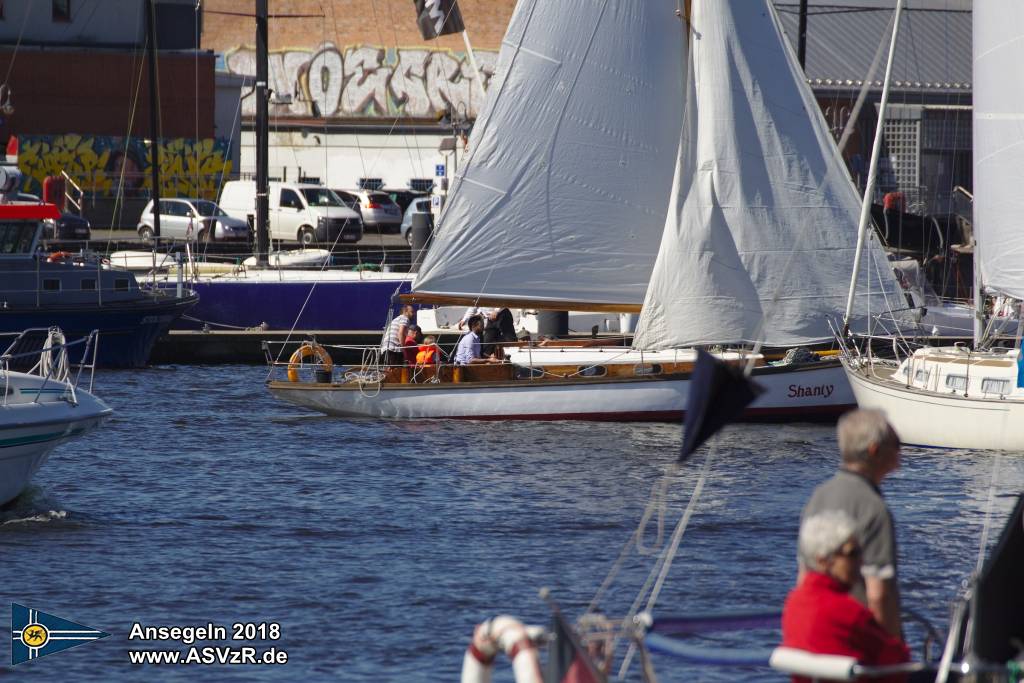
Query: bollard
x,y
553,323
422,231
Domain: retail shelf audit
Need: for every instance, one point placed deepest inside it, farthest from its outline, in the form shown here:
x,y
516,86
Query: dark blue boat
x,y
285,299
77,293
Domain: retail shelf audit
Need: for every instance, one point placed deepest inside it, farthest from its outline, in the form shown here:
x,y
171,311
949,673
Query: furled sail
x,y
566,188
770,213
999,145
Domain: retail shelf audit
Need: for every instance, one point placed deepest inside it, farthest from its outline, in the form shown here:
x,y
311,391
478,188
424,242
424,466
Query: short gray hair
x,y
858,430
823,534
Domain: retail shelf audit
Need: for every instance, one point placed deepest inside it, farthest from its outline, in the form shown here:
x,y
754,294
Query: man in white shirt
x,y
391,348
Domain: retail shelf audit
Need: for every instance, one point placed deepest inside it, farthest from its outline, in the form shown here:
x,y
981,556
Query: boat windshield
x,y
321,196
16,237
209,209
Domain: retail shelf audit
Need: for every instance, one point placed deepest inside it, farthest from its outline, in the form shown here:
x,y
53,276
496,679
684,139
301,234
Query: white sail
x,y
769,188
999,145
564,195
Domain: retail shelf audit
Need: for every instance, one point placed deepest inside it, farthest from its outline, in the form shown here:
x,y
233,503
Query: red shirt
x,y
821,617
409,349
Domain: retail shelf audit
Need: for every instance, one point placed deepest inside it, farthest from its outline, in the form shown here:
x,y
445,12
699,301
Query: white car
x,y
193,219
303,212
377,208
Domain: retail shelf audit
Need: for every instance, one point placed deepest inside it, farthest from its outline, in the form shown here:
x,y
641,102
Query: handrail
x,y
67,195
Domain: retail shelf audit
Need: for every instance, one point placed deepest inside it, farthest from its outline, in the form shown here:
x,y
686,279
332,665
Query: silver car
x,y
193,219
377,208
421,205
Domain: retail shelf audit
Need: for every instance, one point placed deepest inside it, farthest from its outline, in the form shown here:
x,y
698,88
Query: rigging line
x,y
660,571
119,195
17,44
983,543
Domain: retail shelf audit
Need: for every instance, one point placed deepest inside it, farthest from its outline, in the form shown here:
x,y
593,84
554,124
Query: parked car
x,y
198,219
421,205
305,212
377,209
69,227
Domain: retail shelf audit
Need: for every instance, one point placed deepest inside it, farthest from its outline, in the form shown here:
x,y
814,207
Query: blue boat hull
x,y
127,330
342,306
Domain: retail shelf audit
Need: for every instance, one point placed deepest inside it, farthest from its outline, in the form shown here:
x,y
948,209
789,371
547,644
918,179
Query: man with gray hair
x,y
870,450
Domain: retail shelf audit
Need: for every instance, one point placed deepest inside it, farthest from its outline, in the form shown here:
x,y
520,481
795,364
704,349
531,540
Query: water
x,y
378,545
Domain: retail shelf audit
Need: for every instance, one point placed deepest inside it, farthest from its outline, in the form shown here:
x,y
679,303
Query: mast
x,y
262,137
869,188
154,114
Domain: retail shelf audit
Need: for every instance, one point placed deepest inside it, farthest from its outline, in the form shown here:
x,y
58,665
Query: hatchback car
x,y
421,205
69,227
378,209
198,219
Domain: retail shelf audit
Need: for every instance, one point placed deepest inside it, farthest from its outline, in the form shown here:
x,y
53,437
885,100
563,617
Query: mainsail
x,y
564,196
765,220
999,145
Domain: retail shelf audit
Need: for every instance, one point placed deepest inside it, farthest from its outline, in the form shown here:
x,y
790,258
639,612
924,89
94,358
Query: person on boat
x,y
500,327
820,616
470,312
468,351
428,352
870,450
398,330
411,345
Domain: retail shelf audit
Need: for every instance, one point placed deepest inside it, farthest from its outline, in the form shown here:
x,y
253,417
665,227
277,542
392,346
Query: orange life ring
x,y
59,256
302,353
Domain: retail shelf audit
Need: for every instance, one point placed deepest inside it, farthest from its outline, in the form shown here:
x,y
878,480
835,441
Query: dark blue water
x,y
378,545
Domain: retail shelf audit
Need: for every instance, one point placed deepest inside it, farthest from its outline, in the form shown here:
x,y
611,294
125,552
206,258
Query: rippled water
x,y
378,545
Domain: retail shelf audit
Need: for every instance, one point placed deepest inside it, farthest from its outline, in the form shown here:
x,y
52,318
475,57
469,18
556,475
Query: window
x,y
371,183
922,376
51,285
61,10
121,285
956,382
995,386
1,10
290,200
89,284
421,184
16,237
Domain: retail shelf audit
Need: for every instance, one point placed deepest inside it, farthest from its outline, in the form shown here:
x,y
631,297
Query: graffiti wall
x,y
366,81
102,165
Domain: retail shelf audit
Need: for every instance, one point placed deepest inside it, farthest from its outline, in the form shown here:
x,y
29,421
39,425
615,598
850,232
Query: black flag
x,y
438,18
718,394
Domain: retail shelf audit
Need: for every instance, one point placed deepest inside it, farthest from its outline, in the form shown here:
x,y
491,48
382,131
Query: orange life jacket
x,y
426,354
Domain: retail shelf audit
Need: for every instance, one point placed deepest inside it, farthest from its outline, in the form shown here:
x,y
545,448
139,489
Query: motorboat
x,y
46,403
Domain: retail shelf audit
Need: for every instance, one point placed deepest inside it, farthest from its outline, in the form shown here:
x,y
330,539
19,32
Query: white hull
x,y
806,392
945,420
30,430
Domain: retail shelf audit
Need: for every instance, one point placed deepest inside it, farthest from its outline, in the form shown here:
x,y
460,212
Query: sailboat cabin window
x,y
956,382
51,285
995,386
61,10
121,285
89,284
16,237
922,375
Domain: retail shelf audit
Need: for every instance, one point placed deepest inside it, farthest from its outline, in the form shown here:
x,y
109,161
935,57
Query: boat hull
x,y
30,431
127,330
283,304
928,418
812,392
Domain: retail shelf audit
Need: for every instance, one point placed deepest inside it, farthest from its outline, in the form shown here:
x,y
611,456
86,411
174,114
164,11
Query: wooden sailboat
x,y
565,203
960,396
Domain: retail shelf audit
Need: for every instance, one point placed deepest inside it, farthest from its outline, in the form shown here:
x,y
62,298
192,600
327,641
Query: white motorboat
x,y
42,407
970,397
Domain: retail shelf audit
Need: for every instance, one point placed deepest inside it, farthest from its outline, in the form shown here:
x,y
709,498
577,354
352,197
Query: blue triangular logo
x,y
35,634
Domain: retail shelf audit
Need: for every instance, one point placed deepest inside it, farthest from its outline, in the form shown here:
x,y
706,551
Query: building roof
x,y
933,49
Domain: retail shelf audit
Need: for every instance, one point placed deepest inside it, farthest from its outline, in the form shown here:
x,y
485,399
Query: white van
x,y
310,214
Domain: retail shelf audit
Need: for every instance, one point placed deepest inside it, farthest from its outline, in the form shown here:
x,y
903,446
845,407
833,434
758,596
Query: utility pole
x,y
154,114
801,45
262,138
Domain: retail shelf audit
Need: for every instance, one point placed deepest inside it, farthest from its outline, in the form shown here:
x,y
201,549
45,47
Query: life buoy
x,y
505,634
302,353
59,256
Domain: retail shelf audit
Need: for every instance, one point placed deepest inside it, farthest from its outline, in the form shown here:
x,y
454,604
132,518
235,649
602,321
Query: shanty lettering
x,y
797,391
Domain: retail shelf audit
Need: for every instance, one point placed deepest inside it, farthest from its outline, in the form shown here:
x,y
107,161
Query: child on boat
x,y
428,353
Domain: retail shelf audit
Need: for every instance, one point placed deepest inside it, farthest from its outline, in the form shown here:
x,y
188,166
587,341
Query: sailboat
x,y
743,247
971,396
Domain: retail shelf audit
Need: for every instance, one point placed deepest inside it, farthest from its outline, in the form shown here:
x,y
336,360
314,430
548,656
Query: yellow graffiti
x,y
106,166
